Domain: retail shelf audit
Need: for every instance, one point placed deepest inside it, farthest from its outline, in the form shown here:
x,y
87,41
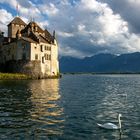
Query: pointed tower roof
x,y
17,20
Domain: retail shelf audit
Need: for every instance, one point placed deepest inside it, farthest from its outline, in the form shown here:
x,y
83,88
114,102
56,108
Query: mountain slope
x,y
102,63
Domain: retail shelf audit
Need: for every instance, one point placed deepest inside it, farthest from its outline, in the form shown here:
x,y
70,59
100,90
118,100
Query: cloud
x,y
65,34
49,10
94,27
68,51
84,27
12,3
5,18
129,11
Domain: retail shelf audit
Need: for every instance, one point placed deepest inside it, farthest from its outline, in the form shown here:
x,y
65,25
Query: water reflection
x,y
35,109
30,109
46,110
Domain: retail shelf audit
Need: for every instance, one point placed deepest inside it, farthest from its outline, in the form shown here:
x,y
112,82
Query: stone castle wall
x,y
31,68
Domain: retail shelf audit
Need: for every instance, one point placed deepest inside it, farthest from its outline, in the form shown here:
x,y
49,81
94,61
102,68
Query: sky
x,y
83,27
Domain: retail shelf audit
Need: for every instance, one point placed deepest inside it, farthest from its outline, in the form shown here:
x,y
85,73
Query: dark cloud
x,y
87,27
129,11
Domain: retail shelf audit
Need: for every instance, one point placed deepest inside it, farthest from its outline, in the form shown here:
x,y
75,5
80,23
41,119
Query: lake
x,y
70,108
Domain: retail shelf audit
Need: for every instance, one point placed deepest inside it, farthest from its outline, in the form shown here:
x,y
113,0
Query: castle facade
x,y
29,49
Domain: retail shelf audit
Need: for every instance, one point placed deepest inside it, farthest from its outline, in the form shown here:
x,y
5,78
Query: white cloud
x,y
134,2
84,28
68,51
81,27
5,19
12,3
49,10
64,34
95,28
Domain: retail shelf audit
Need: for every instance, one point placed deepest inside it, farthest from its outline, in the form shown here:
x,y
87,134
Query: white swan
x,y
111,125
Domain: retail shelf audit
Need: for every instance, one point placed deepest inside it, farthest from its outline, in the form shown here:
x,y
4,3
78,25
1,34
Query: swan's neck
x,y
120,126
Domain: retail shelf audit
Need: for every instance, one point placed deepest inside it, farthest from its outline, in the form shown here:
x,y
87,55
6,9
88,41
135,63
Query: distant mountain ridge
x,y
102,63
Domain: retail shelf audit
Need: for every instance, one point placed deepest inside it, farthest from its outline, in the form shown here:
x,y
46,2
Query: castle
x,y
29,49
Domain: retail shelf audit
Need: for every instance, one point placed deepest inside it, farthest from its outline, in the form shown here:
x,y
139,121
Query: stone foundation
x,y
31,68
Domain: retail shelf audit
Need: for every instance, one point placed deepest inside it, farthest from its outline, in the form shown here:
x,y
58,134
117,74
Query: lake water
x,y
69,108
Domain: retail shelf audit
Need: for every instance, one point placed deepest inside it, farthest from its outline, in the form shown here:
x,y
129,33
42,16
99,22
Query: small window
x,y
42,59
49,57
36,56
45,47
45,56
48,48
41,48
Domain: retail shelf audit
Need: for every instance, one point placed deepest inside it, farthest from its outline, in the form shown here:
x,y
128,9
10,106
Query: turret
x,y
15,25
54,34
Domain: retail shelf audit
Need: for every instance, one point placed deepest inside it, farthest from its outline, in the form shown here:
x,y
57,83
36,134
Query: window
x,y
48,48
42,59
41,48
47,56
36,56
45,47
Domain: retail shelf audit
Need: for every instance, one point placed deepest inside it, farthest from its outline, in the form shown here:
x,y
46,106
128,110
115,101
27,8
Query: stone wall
x,y
32,68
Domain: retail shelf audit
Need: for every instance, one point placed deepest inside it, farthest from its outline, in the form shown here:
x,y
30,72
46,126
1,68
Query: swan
x,y
111,125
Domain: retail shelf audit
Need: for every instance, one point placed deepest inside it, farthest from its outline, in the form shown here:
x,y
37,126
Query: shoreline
x,y
20,76
14,76
99,73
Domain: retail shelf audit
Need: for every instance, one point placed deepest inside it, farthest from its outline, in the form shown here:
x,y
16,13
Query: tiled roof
x,y
29,39
29,26
18,21
48,35
42,39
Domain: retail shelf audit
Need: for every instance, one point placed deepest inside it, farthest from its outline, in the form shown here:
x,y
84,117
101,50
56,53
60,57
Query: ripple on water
x,y
69,108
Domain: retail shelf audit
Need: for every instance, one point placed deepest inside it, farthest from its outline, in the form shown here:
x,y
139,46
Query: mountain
x,y
102,63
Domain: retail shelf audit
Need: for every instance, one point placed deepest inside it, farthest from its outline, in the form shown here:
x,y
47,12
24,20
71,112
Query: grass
x,y
13,76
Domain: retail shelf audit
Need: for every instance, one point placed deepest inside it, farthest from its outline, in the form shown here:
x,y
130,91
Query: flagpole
x,y
17,10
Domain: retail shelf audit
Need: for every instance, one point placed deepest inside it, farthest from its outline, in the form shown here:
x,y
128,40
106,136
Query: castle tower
x,y
15,25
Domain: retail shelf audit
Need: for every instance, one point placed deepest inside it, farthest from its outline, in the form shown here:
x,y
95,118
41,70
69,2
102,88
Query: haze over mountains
x,y
102,63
